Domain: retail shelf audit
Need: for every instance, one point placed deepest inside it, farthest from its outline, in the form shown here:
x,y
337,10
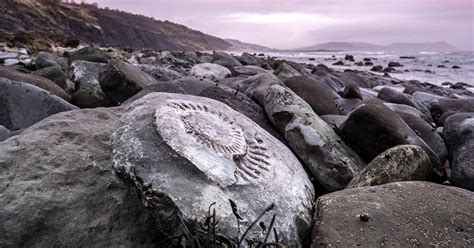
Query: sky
x,y
285,24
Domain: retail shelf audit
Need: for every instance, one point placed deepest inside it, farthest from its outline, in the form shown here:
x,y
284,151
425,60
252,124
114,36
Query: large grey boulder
x,y
92,54
210,71
286,71
248,59
225,59
426,99
120,80
325,155
57,75
186,154
45,59
459,134
402,214
400,163
394,96
35,80
249,70
318,95
161,73
444,108
88,93
4,133
373,128
58,188
22,105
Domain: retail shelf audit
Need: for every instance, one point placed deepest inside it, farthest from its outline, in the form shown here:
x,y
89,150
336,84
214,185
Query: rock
x,y
335,121
459,134
426,99
194,85
91,54
407,57
360,63
368,93
394,64
86,76
55,74
362,79
397,164
325,155
456,67
4,133
248,59
161,73
338,63
405,109
377,68
444,108
318,95
427,133
10,62
389,70
38,81
285,71
178,61
441,66
148,60
373,128
190,154
45,59
346,105
368,63
403,214
256,87
352,91
225,60
7,55
22,105
60,169
249,70
393,96
349,57
210,71
120,80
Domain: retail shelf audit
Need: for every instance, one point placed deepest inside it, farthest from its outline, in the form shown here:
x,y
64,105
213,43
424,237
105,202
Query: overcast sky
x,y
298,23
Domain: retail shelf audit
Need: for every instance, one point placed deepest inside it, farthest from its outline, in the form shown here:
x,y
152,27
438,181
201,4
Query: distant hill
x,y
40,23
363,46
242,46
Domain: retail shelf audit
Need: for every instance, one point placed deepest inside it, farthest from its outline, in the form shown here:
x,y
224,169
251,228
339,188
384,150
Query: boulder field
x,y
122,148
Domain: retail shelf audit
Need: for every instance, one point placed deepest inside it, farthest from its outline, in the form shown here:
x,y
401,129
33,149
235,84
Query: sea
x,y
432,67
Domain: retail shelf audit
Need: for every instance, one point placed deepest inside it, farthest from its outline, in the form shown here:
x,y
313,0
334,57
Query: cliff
x,y
42,23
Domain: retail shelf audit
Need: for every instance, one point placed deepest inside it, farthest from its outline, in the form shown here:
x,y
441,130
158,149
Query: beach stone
x,y
377,68
444,108
401,108
89,94
210,71
22,105
249,70
225,60
332,163
45,59
427,133
55,74
161,73
335,121
459,134
393,96
286,71
402,214
318,95
352,91
397,164
4,133
362,79
60,169
120,80
346,105
426,99
248,59
91,54
185,154
373,128
35,80
11,62
256,87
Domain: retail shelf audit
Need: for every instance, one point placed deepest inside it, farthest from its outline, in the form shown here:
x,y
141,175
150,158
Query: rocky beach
x,y
115,146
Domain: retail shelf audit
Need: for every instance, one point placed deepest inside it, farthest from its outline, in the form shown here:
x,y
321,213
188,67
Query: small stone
x,y
364,217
